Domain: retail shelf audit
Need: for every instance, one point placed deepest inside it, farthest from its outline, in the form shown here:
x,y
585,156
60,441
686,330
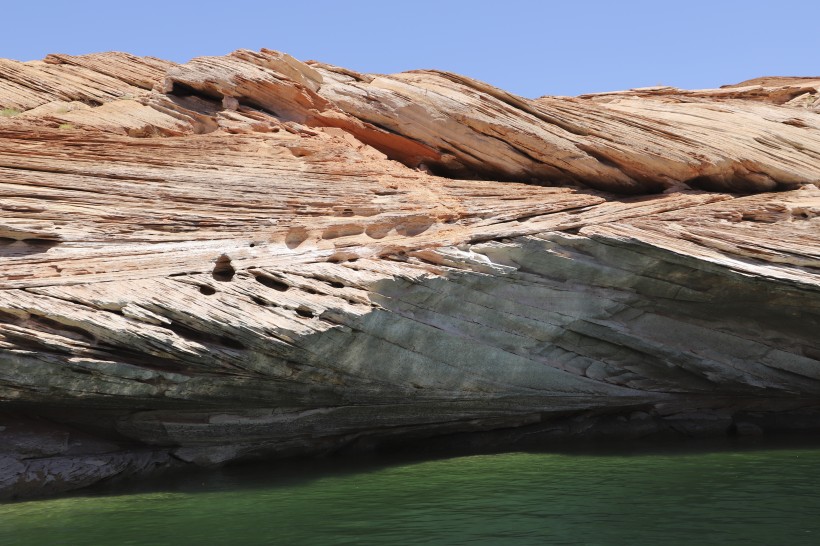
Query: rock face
x,y
250,256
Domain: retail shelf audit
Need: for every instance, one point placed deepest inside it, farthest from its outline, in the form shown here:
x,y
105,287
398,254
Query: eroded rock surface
x,y
250,256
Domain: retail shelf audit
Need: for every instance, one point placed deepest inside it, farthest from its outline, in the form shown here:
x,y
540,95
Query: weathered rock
x,y
250,256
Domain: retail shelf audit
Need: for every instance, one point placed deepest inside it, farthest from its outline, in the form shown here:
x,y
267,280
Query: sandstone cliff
x,y
251,256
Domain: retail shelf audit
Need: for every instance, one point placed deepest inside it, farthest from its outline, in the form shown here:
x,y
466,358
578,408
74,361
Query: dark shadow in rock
x,y
12,247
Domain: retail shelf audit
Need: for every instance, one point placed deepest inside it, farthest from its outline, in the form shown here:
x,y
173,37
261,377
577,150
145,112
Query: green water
x,y
759,496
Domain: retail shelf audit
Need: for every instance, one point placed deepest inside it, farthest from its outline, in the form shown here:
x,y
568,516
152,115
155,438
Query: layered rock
x,y
250,256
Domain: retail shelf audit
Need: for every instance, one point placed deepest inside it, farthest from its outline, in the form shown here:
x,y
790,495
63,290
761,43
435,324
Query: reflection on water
x,y
741,496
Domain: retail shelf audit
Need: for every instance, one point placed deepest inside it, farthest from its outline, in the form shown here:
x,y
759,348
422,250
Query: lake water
x,y
709,496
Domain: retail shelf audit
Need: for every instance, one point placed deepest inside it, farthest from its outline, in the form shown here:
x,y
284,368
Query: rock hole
x,y
231,343
252,245
336,284
223,270
305,312
259,301
378,231
414,225
42,243
345,230
270,282
295,237
179,89
189,333
206,290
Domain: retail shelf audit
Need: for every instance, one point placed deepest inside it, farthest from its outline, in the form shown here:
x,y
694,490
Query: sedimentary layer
x,y
250,256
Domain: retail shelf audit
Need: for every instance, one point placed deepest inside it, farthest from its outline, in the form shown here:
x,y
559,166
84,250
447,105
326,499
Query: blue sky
x,y
528,47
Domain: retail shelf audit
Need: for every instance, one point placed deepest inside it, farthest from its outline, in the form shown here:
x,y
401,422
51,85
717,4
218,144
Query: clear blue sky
x,y
527,47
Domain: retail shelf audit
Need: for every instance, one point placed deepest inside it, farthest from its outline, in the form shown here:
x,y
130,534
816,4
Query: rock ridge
x,y
252,256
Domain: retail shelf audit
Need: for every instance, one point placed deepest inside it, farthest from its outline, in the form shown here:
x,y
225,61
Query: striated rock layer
x,y
250,256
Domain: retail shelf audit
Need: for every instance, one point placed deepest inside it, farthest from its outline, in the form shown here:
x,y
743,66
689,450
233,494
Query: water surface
x,y
740,496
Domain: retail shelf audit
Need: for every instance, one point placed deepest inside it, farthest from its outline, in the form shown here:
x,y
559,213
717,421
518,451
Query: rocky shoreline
x,y
249,256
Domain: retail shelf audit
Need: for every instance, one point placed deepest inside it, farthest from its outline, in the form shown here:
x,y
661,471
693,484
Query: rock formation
x,y
250,256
